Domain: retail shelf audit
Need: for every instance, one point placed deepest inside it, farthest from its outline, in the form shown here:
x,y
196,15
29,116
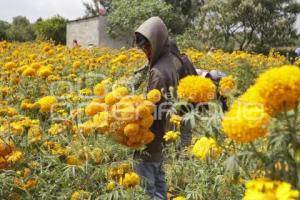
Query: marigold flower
x,y
94,107
47,103
171,136
154,96
245,122
206,147
131,129
10,65
226,85
76,64
267,189
147,121
73,160
280,88
110,185
15,157
196,89
179,198
29,71
131,179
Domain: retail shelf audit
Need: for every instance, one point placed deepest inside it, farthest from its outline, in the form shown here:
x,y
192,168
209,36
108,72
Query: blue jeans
x,y
154,179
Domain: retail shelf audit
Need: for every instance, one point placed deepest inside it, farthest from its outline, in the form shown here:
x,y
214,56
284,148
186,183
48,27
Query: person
x,y
215,76
75,43
152,38
186,67
297,52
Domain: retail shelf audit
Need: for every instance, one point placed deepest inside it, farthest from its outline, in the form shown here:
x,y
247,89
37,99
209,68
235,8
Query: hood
x,y
156,32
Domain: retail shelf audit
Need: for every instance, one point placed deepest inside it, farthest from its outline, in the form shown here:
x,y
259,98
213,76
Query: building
x,y
91,31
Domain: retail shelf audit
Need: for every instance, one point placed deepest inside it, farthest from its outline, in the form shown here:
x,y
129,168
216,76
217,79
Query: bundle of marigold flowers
x,y
266,189
124,117
196,89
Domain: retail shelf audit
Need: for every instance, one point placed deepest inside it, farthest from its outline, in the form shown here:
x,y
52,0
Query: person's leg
x,y
146,171
160,182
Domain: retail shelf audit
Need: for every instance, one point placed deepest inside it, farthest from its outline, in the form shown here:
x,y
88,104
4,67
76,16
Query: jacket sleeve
x,y
155,80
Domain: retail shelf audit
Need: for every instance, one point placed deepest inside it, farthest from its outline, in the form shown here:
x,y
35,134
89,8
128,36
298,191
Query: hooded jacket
x,y
162,75
186,67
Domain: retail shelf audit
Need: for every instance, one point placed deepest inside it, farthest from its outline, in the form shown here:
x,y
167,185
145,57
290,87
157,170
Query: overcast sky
x,y
33,9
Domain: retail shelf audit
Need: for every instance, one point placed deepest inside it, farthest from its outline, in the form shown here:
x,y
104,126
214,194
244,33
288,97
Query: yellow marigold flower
x,y
29,71
245,123
45,71
176,119
120,92
73,160
16,128
10,65
179,198
147,121
54,129
95,107
171,136
76,64
226,85
131,129
15,157
80,195
35,65
279,87
102,121
131,179
154,96
143,111
5,149
34,134
147,136
267,189
47,103
110,185
196,89
53,78
111,99
30,184
206,147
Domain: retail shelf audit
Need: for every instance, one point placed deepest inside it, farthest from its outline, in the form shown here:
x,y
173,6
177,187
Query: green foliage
x,y
20,30
4,26
128,15
248,24
92,8
53,28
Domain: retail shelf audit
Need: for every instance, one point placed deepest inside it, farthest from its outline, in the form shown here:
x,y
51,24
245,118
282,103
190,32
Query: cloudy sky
x,y
33,9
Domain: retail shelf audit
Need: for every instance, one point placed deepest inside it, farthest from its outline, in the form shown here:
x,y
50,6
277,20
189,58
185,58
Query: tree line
x,y
22,30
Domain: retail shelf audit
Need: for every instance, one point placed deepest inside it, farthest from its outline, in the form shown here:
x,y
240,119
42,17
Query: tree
x,y
92,8
4,26
127,15
188,9
53,28
20,30
249,24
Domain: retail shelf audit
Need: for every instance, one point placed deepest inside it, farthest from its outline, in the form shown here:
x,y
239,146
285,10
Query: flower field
x,y
70,121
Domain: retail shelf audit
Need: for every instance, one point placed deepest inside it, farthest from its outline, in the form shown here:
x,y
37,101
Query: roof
x,y
82,19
